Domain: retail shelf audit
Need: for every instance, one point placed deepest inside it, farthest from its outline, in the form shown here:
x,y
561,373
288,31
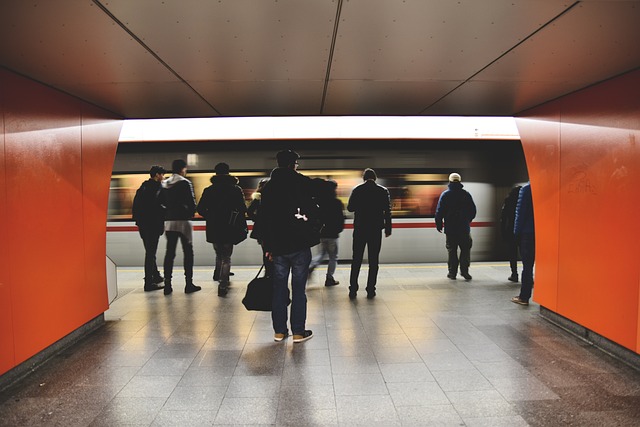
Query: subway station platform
x,y
426,351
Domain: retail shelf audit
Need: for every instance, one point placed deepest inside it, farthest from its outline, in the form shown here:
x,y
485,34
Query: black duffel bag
x,y
259,296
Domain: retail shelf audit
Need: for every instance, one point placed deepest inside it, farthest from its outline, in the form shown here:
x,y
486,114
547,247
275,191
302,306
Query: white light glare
x,y
343,127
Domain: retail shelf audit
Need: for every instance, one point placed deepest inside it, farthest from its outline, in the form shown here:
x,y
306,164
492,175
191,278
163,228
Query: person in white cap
x,y
457,209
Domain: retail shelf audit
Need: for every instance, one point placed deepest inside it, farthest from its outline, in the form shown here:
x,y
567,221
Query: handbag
x,y
259,296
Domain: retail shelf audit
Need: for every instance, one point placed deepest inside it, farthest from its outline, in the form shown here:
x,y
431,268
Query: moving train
x,y
415,172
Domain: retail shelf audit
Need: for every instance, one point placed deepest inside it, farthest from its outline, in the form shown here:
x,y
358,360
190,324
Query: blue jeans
x,y
298,264
528,254
328,246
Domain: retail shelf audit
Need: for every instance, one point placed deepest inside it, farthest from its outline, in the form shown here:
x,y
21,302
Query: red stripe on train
x,y
129,228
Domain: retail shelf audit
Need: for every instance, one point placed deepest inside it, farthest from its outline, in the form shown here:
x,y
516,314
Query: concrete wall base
x,y
615,350
30,365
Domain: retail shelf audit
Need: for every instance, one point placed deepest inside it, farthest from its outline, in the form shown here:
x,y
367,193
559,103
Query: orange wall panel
x,y
7,348
598,276
542,152
58,154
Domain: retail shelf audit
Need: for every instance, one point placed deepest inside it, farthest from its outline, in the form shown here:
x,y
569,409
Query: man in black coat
x,y
148,213
222,206
372,206
289,223
181,205
457,209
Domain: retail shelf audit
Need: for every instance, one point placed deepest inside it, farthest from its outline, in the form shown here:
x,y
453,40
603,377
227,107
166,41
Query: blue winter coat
x,y
524,212
457,209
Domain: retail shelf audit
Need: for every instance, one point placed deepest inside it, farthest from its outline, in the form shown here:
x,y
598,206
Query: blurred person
x,y
524,231
222,206
371,203
457,209
253,213
331,211
288,221
148,211
181,205
507,220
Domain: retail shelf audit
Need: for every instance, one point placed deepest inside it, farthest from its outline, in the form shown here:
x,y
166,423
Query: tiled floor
x,y
426,351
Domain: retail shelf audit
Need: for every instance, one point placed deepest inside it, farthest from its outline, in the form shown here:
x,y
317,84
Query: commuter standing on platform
x,y
288,218
222,206
524,231
181,205
332,216
372,206
457,209
253,213
148,212
507,220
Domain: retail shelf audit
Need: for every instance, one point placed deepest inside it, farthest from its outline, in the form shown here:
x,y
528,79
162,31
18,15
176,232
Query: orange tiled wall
x,y
56,156
583,156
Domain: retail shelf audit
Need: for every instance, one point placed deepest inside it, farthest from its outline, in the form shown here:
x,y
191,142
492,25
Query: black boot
x,y
223,289
191,288
167,287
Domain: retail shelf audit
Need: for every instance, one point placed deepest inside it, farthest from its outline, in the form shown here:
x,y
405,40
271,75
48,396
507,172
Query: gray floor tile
x,y
425,351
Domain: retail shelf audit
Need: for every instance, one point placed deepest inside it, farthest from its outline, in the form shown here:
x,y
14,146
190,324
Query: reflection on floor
x,y
426,351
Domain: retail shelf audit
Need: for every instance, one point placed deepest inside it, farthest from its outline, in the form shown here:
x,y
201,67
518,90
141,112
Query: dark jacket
x,y
372,206
524,212
508,214
253,213
288,214
149,208
218,202
331,216
181,203
456,208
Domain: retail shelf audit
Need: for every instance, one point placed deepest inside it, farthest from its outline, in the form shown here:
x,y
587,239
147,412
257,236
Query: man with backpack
x,y
149,206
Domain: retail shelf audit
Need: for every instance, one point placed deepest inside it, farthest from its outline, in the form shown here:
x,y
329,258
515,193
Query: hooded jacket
x,y
456,208
149,208
181,203
217,204
289,217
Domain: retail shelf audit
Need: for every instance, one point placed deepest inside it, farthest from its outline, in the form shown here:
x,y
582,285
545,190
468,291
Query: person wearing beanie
x,y
456,210
222,206
181,205
289,221
371,203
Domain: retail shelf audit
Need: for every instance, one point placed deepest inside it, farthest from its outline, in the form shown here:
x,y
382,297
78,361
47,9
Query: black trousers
x,y
372,239
150,239
528,252
187,249
463,242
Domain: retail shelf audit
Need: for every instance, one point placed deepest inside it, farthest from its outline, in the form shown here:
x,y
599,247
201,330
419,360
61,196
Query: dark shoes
x,y
519,301
168,289
330,281
352,295
191,288
158,279
451,276
305,335
513,278
223,289
466,276
371,294
152,287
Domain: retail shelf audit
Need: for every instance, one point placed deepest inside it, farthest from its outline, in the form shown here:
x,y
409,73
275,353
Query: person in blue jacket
x,y
524,231
456,209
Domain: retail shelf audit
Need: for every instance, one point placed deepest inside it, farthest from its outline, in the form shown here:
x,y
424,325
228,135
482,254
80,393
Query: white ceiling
x,y
206,58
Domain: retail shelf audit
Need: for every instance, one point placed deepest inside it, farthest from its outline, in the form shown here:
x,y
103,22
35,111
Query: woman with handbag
x,y
222,206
